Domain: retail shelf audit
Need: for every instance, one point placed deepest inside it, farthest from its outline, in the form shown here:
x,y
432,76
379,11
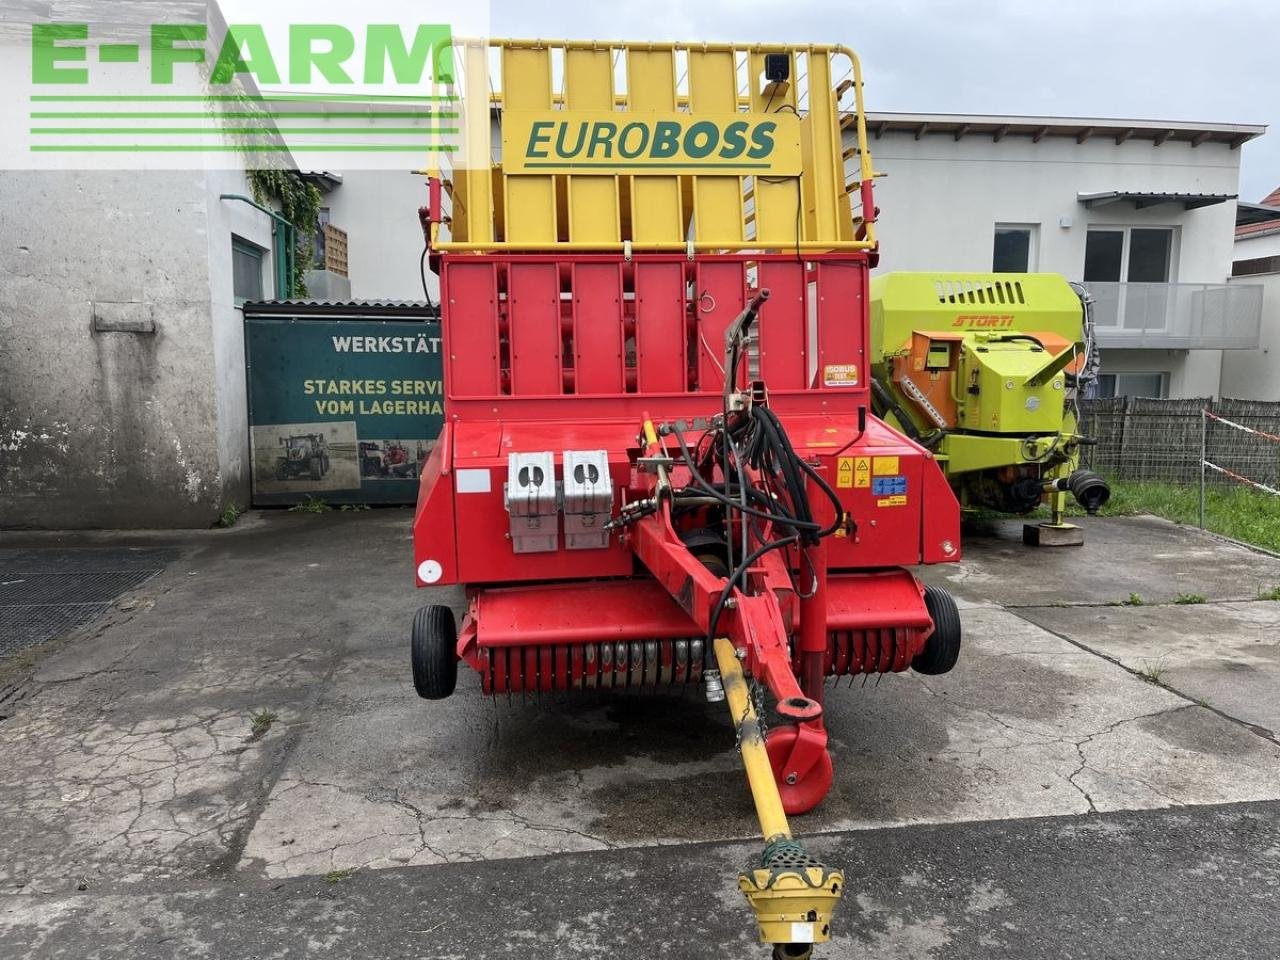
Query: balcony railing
x,y
1178,316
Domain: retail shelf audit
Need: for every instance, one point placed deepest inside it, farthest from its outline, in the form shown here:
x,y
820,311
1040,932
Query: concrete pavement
x,y
243,726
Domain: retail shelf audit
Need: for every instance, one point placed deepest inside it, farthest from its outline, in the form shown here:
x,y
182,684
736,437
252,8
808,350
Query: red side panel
x,y
534,314
660,328
597,328
571,613
718,299
784,353
870,601
941,526
842,323
471,322
434,540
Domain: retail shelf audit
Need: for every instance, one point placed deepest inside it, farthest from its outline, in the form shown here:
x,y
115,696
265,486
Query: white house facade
x,y
1143,212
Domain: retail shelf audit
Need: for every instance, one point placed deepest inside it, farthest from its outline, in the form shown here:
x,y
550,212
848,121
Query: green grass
x,y
1272,594
1134,601
262,721
337,876
230,515
311,505
1237,512
1187,598
1153,672
1240,513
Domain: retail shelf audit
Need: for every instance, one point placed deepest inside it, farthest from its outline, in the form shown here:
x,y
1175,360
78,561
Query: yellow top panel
x,y
610,145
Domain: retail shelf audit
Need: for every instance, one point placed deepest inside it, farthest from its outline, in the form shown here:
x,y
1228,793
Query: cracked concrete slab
x,y
1151,557
135,769
1226,655
1028,725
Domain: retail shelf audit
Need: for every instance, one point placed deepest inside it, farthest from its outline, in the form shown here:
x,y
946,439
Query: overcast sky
x,y
1142,59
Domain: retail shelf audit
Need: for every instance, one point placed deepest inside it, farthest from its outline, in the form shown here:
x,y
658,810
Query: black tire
x,y
435,653
315,468
942,649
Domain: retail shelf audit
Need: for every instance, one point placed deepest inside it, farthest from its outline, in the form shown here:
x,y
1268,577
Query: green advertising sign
x,y
341,410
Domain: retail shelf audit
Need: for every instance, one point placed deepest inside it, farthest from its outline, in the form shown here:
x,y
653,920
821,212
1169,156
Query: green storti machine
x,y
984,369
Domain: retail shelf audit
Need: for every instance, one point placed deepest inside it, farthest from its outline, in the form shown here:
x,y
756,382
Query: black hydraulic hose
x,y
737,575
781,458
831,495
711,491
796,488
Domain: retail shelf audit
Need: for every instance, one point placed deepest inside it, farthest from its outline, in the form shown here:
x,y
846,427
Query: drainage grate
x,y
46,593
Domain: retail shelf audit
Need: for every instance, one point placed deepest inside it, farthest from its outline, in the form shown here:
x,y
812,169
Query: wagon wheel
x,y
942,649
434,653
801,791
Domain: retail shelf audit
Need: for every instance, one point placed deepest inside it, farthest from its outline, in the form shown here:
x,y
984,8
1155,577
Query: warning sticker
x,y
899,501
886,466
840,375
844,473
862,472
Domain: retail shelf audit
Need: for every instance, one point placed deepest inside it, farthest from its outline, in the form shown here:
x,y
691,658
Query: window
x,y
317,258
1014,250
1149,252
1142,257
1103,256
1134,254
246,271
1133,385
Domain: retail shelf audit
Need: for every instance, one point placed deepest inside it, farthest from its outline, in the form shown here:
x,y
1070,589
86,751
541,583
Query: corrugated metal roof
x,y
1153,198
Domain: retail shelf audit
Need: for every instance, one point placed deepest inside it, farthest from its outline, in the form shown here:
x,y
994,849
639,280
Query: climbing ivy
x,y
300,205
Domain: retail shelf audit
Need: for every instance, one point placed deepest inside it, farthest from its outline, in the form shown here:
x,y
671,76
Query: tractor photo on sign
x,y
303,456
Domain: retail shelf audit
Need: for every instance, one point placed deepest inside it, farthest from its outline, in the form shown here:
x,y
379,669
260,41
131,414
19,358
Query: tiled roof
x,y
1265,224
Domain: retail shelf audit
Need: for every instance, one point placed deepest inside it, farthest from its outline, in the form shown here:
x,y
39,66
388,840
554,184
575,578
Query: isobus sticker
x,y
840,375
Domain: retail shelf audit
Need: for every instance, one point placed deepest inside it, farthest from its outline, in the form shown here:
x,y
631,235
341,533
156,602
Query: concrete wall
x,y
120,429
379,211
1255,374
942,198
227,218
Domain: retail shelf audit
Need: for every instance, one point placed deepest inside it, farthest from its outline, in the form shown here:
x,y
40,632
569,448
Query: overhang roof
x,y
324,180
959,125
1151,198
1248,214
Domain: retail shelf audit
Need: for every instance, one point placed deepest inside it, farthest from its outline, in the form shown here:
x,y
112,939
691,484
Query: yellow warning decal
x,y
844,473
892,502
886,466
862,472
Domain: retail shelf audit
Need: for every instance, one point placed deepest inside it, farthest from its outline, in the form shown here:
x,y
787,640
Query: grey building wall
x,y
139,426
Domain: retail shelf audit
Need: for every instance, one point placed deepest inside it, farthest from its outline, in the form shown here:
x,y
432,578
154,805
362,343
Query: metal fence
x,y
1167,440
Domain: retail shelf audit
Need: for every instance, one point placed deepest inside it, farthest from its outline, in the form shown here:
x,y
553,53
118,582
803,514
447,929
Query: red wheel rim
x,y
809,790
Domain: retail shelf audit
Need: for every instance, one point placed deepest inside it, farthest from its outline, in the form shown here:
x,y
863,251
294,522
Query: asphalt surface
x,y
231,763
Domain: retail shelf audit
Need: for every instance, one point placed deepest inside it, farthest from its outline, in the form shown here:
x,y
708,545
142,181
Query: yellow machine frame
x,y
650,210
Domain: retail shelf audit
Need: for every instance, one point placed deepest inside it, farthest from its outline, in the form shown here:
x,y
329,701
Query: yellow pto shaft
x,y
792,894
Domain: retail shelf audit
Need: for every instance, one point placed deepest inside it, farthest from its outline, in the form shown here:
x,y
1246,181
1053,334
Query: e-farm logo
x,y
320,64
